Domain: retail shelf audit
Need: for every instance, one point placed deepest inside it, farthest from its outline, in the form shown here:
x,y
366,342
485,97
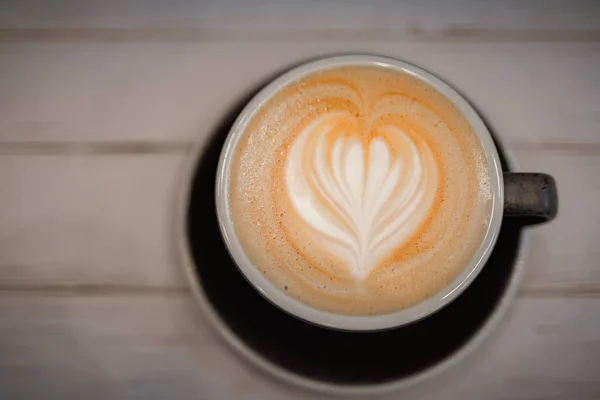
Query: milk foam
x,y
359,191
350,190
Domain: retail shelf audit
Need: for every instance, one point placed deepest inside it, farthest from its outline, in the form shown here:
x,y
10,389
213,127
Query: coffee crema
x,y
359,190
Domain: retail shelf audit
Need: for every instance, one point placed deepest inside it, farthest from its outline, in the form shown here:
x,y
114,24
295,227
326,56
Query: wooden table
x,y
100,103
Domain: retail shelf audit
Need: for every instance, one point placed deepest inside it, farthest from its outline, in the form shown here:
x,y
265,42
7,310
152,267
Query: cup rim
x,y
340,321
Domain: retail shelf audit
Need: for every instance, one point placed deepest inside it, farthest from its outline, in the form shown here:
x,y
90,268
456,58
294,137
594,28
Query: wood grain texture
x,y
107,220
155,347
101,101
565,254
77,220
532,93
252,15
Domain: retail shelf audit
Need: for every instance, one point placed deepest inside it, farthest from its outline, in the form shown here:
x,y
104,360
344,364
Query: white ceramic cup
x,y
521,203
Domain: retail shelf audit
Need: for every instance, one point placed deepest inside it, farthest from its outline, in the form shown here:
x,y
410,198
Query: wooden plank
x,y
169,92
564,254
157,346
539,352
95,346
107,220
306,15
72,220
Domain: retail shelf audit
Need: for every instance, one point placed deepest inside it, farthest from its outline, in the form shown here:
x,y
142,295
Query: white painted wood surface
x,y
529,92
155,347
100,102
253,15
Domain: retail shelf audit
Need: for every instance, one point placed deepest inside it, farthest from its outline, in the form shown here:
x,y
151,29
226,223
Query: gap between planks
x,y
130,147
82,289
451,33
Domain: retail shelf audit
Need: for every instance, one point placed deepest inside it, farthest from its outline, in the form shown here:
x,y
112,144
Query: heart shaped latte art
x,y
364,192
359,190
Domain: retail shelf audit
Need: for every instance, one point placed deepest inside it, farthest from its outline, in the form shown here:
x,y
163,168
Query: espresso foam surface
x,y
359,190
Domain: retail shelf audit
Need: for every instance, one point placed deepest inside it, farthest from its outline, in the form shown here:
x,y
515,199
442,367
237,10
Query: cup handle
x,y
531,196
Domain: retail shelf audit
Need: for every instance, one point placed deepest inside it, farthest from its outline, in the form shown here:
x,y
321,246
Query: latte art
x,y
359,190
364,195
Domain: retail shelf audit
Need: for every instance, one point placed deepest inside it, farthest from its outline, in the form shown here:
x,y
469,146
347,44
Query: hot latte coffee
x,y
359,190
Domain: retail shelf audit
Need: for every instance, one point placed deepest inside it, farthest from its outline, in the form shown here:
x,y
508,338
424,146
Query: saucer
x,y
315,357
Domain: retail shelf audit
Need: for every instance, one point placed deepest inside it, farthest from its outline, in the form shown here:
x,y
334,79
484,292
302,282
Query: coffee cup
x,y
363,193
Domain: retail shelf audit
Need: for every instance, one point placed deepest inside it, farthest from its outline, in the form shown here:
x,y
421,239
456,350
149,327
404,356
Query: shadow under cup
x,y
318,354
